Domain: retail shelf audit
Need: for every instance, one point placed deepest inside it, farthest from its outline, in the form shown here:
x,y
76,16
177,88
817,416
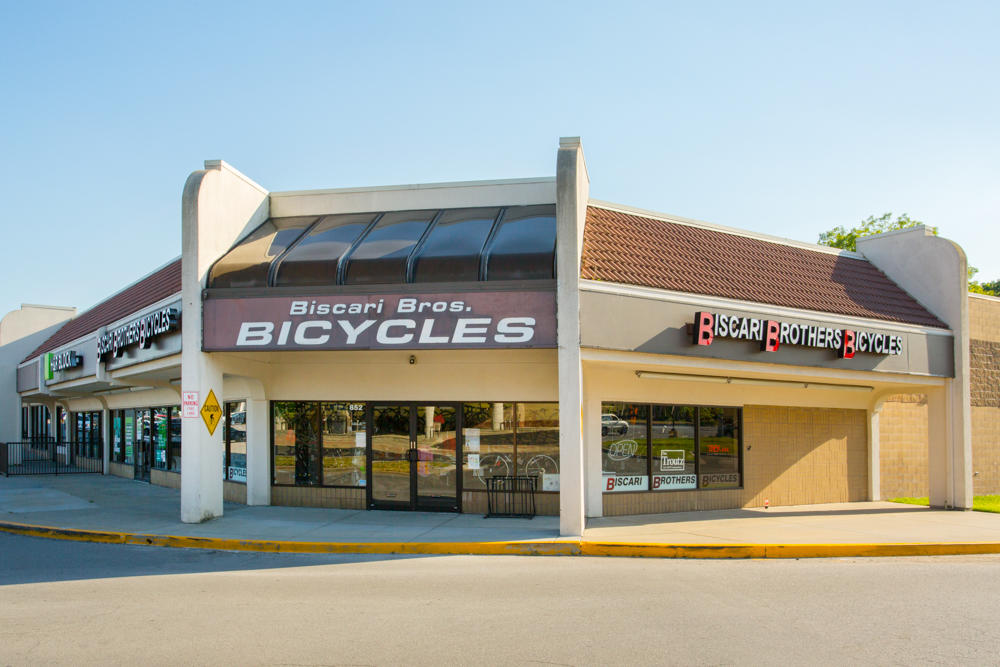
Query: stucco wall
x,y
792,456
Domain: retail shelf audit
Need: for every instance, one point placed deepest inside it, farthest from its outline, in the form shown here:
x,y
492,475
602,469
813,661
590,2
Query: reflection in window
x,y
452,249
315,259
175,438
524,245
624,446
381,256
296,443
344,443
160,431
489,443
247,264
537,439
234,463
719,450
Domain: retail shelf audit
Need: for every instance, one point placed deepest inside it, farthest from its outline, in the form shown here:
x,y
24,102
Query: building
x,y
393,347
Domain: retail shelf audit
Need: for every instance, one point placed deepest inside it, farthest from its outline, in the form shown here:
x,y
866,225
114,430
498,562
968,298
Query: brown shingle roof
x,y
155,287
638,250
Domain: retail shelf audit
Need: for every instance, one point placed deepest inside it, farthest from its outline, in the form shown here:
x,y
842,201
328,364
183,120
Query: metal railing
x,y
510,496
45,456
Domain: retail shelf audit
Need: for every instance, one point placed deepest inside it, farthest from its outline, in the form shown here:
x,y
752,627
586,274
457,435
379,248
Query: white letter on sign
x,y
302,339
466,326
255,333
515,330
383,337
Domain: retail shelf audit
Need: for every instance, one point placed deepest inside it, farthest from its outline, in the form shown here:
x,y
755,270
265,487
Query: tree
x,y
847,239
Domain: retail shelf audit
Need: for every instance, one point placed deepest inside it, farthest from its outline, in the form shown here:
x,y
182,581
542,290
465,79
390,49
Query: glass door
x,y
436,446
413,457
143,445
391,486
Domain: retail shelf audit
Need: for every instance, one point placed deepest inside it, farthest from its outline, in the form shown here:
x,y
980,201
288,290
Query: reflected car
x,y
612,425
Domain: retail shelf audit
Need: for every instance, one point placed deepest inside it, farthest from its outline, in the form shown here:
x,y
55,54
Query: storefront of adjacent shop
x,y
111,379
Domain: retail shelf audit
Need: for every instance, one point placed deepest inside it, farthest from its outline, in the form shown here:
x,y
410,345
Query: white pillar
x,y
258,453
219,206
938,466
593,467
572,193
497,416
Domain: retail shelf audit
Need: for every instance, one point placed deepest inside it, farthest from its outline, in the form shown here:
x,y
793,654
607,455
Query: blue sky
x,y
784,118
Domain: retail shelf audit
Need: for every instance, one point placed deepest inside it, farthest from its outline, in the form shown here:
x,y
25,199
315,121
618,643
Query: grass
x,y
979,503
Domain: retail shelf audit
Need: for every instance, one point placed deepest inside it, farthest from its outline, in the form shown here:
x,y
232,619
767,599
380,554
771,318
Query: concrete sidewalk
x,y
111,509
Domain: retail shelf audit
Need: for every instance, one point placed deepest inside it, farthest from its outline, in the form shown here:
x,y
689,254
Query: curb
x,y
533,548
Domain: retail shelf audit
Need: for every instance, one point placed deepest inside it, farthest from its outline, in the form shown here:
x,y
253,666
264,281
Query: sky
x,y
786,118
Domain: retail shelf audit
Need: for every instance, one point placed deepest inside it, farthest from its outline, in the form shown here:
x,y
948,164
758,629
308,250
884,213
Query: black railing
x,y
45,456
510,496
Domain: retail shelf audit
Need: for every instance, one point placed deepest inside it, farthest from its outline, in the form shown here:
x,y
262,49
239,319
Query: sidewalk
x,y
110,509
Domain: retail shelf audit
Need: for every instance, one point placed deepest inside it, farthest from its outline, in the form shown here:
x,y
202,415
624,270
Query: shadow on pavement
x,y
32,560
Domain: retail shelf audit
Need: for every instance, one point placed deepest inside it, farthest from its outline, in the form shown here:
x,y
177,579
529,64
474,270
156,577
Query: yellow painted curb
x,y
529,548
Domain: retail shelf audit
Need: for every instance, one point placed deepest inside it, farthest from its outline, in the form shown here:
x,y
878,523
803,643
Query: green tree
x,y
847,239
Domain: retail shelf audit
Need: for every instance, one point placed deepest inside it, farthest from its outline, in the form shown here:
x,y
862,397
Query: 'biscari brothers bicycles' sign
x,y
772,334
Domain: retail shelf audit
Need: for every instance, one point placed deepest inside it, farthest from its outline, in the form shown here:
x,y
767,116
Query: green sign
x,y
48,366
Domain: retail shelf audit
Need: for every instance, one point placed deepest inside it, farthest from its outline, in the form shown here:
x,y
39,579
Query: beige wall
x,y
792,456
903,447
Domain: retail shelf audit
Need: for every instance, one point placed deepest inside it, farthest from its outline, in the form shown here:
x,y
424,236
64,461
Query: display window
x,y
234,462
502,439
648,447
318,443
87,439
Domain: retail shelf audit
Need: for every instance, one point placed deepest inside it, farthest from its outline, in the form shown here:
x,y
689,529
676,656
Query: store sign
x,y
236,474
614,483
672,460
459,320
669,482
141,331
61,361
772,334
720,479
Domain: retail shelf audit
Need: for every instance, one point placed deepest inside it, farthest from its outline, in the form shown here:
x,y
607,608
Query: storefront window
x,y
537,440
344,444
129,436
175,439
719,448
116,438
681,454
234,463
624,446
297,458
489,443
160,431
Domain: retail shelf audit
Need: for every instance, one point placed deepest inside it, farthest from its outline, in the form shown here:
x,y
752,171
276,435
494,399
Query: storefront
x,y
393,347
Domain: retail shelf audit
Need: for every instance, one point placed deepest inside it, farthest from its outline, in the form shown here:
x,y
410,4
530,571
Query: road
x,y
78,603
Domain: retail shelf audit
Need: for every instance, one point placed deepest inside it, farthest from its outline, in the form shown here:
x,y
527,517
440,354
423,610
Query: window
x,y
316,258
234,464
130,434
511,439
382,254
689,447
344,444
524,244
175,439
160,435
117,451
87,437
24,423
451,251
248,264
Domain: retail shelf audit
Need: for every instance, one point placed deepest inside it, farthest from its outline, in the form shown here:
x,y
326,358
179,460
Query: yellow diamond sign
x,y
211,412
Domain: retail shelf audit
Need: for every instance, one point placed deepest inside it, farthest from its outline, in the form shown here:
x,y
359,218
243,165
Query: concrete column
x,y
258,452
428,421
219,206
592,464
935,272
106,438
497,416
572,194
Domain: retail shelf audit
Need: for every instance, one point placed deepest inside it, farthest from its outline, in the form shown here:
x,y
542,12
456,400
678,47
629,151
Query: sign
x,y
472,439
140,331
237,474
550,482
211,412
474,462
622,450
189,400
669,482
359,440
456,320
614,483
720,479
60,361
672,460
772,334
